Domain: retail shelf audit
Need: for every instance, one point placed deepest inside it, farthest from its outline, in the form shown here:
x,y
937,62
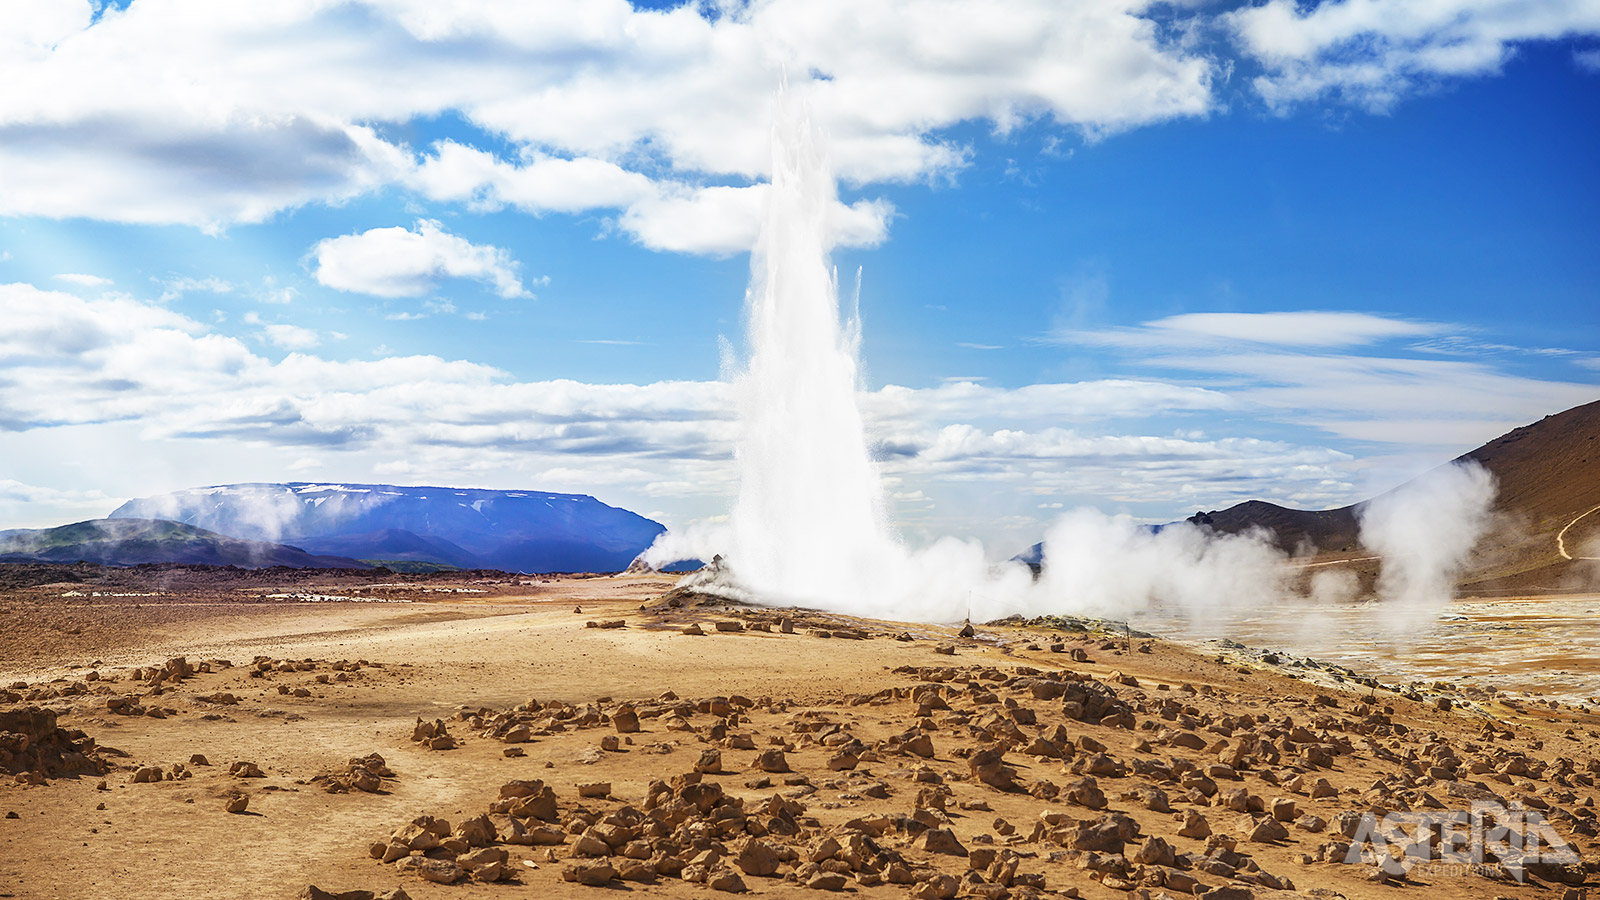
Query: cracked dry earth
x,y
520,748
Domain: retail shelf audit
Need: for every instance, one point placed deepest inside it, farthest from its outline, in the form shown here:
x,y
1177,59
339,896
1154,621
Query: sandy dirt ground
x,y
877,759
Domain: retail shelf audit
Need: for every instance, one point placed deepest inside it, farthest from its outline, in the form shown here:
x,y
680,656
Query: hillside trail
x,y
1561,536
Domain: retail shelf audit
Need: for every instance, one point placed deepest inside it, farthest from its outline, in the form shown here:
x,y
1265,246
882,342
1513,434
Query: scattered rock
x,y
771,761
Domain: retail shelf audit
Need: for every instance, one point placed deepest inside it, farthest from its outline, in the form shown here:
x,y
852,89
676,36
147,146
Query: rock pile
x,y
433,735
362,773
32,745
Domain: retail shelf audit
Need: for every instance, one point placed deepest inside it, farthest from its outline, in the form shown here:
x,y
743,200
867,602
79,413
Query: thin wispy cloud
x,y
1343,373
82,280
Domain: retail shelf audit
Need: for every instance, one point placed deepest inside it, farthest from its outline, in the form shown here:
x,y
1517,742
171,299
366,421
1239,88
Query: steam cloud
x,y
1425,531
808,526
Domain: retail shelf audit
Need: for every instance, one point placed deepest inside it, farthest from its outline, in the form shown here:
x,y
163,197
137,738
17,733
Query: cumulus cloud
x,y
401,262
539,184
1375,52
291,337
213,112
724,220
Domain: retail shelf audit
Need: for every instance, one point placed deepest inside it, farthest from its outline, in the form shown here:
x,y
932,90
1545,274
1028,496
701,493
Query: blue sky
x,y
1149,258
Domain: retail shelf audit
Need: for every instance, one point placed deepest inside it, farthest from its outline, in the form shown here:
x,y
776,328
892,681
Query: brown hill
x,y
1548,479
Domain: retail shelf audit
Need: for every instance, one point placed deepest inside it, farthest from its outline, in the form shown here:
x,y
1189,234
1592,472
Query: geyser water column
x,y
808,526
808,523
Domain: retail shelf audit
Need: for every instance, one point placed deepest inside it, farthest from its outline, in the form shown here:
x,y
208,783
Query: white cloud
x,y
1305,329
291,337
724,220
459,173
397,262
21,503
83,280
143,377
1588,60
1282,365
178,285
1374,52
212,112
1286,329
77,362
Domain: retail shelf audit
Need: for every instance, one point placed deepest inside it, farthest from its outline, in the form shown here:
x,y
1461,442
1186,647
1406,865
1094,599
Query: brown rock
x,y
1086,793
988,766
438,871
1194,825
593,874
1265,831
827,881
709,763
940,840
757,858
477,832
772,761
243,769
636,870
939,887
312,892
625,720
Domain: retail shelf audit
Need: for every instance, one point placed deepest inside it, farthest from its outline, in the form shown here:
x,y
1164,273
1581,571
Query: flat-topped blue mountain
x,y
132,542
519,531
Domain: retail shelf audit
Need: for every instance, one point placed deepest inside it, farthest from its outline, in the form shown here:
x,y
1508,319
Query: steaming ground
x,y
808,525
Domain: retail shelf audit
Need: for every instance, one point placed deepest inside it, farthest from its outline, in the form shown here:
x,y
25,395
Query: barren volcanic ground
x,y
523,752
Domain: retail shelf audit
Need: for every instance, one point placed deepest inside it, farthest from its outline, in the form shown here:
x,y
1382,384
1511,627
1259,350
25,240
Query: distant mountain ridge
x,y
1547,476
131,542
527,531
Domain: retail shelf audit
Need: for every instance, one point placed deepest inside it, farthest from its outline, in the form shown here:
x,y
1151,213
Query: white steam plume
x,y
808,527
1425,530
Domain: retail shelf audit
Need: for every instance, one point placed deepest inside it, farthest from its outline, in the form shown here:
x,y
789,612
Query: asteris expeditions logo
x,y
1460,841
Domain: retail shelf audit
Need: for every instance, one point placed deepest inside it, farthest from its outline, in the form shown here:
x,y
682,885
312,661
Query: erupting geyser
x,y
808,491
809,526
